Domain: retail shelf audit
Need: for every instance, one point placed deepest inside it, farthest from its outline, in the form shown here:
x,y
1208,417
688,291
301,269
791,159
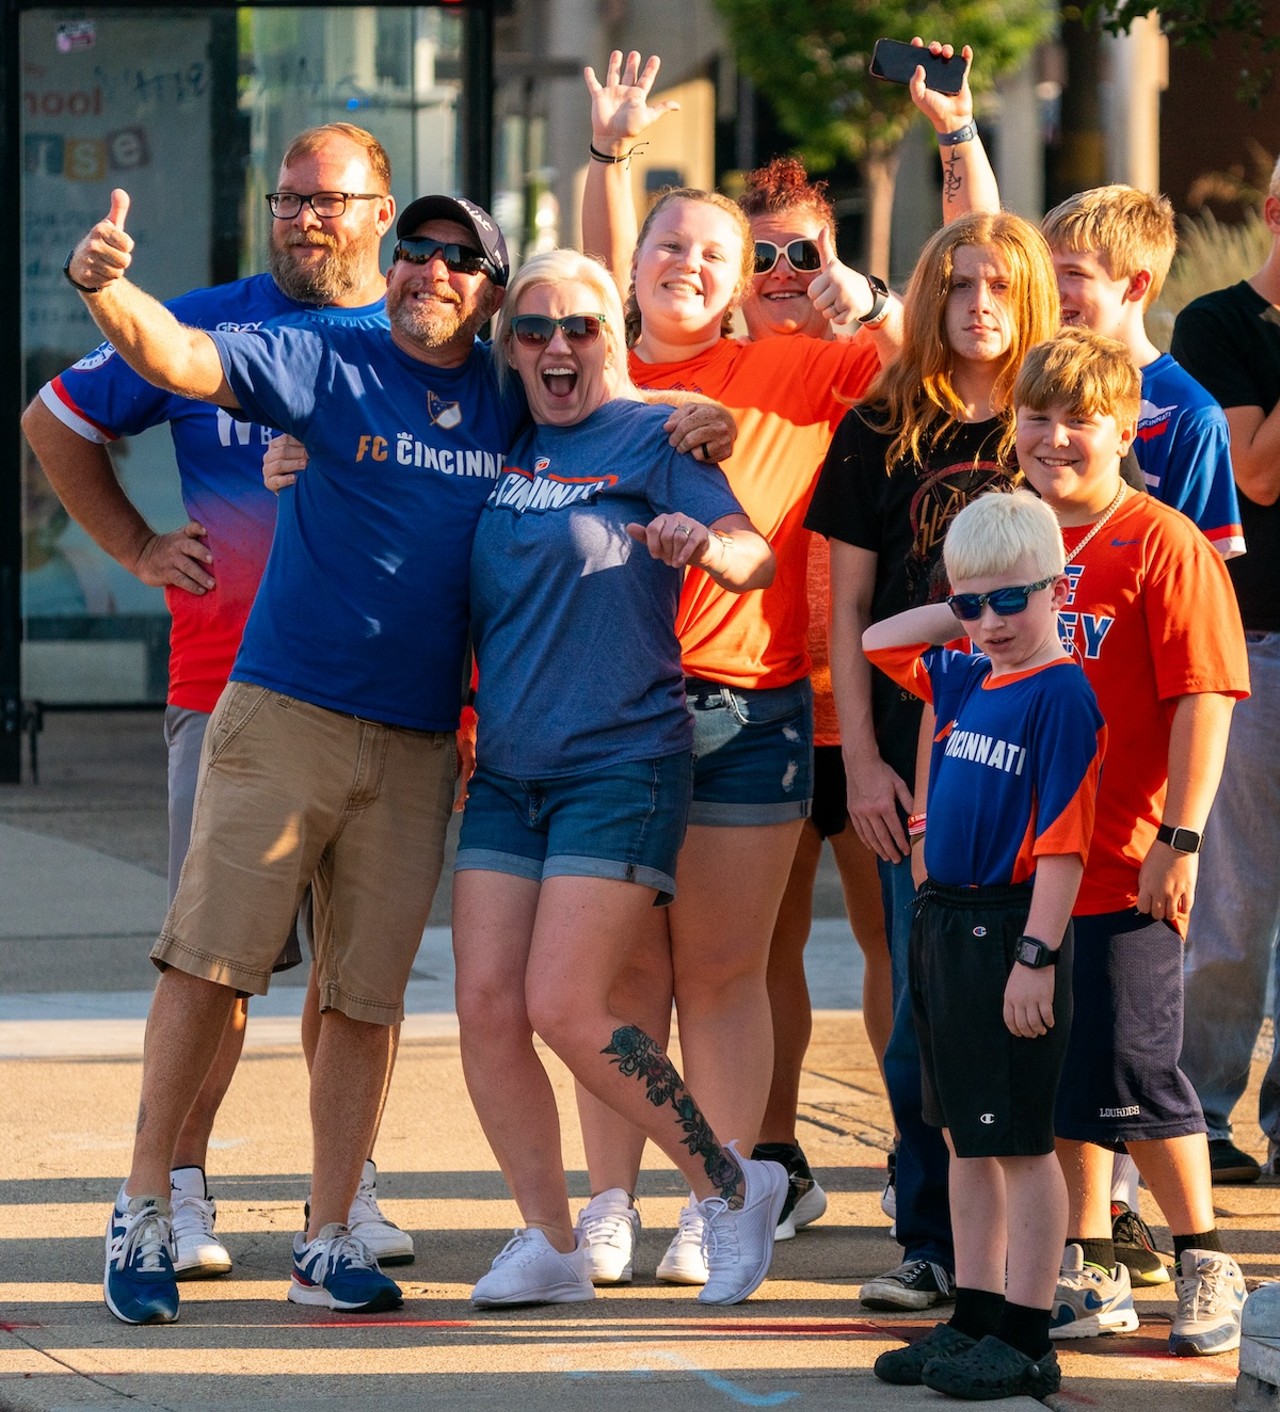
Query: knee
x,y
490,1004
556,1018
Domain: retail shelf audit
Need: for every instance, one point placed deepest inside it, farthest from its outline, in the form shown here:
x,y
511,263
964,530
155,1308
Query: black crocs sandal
x,y
905,1365
992,1369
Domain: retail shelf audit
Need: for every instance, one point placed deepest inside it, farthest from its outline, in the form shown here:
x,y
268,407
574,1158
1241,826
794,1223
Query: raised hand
x,y
948,112
106,252
620,107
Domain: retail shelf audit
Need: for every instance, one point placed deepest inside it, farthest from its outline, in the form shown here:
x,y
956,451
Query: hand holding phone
x,y
896,62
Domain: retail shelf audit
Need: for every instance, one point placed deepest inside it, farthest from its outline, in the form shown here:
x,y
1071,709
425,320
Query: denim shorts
x,y
752,753
625,822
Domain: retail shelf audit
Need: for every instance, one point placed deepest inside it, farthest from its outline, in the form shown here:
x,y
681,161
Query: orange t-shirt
x,y
1152,617
826,723
788,395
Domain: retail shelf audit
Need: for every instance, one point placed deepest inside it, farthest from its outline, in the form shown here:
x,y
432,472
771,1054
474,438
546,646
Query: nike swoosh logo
x,y
1120,543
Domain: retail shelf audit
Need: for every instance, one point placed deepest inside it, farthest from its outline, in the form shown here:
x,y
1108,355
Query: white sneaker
x,y
1211,1295
198,1254
529,1270
608,1227
1089,1301
388,1244
685,1262
739,1243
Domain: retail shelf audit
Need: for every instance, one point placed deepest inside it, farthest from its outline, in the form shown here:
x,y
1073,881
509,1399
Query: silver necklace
x,y
1074,554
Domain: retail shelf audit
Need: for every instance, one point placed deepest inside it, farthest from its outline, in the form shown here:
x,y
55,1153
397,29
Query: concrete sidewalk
x,y
80,863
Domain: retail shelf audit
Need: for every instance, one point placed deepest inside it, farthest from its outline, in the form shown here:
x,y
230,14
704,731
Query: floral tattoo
x,y
637,1056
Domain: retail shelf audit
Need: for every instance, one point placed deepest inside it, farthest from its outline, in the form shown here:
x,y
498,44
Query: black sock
x,y
1204,1240
977,1312
1025,1329
1101,1253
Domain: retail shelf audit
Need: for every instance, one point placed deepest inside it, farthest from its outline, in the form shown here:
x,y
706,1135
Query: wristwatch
x,y
876,314
71,279
1180,840
1032,952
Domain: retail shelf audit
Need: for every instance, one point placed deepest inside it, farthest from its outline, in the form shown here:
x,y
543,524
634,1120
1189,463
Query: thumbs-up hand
x,y
838,293
106,252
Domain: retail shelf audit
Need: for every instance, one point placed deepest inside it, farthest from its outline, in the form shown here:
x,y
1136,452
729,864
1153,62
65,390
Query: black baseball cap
x,y
466,213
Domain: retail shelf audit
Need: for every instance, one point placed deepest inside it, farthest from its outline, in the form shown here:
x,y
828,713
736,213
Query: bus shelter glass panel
x,y
189,111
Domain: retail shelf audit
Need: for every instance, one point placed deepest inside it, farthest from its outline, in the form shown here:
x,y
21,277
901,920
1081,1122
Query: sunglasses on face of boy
x,y
458,259
1004,601
801,255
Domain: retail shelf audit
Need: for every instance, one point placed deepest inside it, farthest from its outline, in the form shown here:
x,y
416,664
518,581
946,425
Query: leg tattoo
x,y
636,1055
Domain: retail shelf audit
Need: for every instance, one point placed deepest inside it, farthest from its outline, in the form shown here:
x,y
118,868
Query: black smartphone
x,y
895,62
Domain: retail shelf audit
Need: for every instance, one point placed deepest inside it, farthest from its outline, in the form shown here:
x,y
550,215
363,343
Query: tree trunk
x,y
880,176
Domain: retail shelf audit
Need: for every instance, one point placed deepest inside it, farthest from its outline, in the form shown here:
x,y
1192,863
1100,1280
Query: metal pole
x,y
11,387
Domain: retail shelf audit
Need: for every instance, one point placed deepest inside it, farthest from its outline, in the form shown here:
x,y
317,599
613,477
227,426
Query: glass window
x,y
189,111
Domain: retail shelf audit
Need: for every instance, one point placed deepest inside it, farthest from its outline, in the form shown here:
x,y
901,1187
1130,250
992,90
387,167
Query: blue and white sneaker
x,y
1211,1295
1090,1301
138,1283
336,1271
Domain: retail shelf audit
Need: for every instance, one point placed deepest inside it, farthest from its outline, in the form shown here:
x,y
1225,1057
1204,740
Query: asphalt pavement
x,y
82,856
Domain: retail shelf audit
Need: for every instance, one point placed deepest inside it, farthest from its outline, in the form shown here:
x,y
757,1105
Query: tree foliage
x,y
1201,22
810,58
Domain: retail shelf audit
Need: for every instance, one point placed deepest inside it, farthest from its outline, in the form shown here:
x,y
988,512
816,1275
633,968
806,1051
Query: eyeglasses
x,y
1004,601
537,330
285,205
458,259
802,256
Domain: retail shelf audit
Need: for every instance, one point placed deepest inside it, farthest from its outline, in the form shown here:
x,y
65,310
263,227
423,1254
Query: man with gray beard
x,y
330,209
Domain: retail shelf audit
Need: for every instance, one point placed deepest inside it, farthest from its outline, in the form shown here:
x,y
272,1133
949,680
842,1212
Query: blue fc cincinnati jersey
x,y
1014,769
363,604
219,462
1184,449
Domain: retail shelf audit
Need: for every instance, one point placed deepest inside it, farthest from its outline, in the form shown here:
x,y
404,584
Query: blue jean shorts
x,y
625,822
752,753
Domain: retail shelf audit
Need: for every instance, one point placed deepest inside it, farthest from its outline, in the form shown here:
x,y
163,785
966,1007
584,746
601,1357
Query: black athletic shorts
x,y
992,1090
1121,1082
830,792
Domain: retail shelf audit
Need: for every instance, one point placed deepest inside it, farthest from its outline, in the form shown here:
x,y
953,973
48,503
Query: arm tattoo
x,y
952,178
637,1056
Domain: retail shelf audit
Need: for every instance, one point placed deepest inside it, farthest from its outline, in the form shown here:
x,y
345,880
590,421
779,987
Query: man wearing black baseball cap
x,y
465,213
331,752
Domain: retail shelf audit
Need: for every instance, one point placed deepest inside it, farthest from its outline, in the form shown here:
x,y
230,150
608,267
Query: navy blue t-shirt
x,y
574,620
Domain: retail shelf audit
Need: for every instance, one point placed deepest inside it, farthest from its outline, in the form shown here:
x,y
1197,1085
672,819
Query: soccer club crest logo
x,y
445,415
100,355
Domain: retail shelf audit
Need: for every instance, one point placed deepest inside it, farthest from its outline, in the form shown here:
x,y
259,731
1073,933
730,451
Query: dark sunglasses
x,y
537,330
802,256
1004,601
459,259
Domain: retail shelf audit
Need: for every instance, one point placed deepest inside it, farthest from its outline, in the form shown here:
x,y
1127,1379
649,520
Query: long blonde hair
x,y
915,394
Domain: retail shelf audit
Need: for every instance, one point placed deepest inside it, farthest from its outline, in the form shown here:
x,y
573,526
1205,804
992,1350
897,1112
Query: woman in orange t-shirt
x,y
746,662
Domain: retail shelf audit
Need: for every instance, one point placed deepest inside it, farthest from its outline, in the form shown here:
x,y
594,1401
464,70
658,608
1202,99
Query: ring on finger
x,y
683,529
